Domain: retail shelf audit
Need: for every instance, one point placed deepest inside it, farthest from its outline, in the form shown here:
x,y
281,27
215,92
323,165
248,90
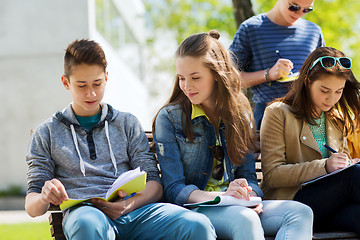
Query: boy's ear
x,y
65,81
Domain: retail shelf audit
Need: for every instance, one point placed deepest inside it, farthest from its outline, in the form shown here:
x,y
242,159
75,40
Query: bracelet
x,y
267,75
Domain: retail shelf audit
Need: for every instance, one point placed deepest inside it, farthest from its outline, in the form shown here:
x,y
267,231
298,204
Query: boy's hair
x,y
83,51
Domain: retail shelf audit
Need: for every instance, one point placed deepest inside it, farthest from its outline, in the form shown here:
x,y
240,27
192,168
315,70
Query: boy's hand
x,y
53,192
114,210
282,68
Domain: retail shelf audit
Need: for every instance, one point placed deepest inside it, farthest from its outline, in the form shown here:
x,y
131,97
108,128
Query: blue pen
x,y
334,151
329,148
129,196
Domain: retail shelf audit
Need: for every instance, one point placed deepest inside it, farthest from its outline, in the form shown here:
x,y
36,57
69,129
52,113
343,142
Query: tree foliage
x,y
186,17
337,18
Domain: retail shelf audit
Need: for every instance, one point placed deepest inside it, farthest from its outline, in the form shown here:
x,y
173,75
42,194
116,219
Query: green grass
x,y
25,231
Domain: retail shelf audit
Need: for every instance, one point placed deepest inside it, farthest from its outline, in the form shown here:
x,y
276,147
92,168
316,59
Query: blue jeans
x,y
283,219
335,201
258,111
153,221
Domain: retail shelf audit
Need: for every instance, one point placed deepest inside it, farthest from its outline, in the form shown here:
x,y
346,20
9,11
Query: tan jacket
x,y
289,153
354,143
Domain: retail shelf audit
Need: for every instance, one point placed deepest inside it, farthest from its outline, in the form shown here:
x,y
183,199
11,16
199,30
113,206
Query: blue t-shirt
x,y
255,44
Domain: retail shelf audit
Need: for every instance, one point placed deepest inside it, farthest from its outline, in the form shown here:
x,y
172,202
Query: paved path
x,y
20,216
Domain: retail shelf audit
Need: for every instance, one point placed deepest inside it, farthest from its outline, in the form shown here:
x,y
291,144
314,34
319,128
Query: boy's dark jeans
x,y
335,201
258,112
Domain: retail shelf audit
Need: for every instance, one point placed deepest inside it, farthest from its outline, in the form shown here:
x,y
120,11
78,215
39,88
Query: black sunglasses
x,y
295,8
218,171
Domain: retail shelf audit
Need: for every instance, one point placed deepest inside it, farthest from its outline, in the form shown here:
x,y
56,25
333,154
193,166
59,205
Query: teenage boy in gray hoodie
x,y
79,153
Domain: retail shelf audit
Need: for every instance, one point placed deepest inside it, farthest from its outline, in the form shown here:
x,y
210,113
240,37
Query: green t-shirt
x,y
88,122
319,133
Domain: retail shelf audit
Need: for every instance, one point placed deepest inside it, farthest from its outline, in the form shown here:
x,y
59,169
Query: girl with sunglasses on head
x,y
273,45
202,137
322,106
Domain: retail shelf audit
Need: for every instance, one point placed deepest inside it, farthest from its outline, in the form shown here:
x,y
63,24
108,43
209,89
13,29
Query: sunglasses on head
x,y
329,62
218,171
295,8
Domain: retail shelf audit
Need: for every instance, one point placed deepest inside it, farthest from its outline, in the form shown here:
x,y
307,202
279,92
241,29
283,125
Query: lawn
x,y
25,231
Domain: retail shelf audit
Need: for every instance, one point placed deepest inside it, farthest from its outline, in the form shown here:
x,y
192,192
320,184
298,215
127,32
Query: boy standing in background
x,y
272,45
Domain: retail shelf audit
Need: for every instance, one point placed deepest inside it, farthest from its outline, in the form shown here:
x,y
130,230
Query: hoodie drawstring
x,y
82,164
110,149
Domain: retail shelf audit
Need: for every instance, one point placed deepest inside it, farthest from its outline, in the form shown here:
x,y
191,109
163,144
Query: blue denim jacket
x,y
187,166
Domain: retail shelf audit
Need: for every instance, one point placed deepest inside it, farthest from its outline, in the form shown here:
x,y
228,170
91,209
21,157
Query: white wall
x,y
33,36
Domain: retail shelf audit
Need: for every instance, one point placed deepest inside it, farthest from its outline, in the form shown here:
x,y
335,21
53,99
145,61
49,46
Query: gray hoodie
x,y
88,162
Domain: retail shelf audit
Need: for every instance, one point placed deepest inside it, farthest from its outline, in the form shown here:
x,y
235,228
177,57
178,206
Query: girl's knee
x,y
248,218
299,212
199,225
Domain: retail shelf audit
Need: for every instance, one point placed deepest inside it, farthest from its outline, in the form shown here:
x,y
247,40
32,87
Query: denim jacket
x,y
187,166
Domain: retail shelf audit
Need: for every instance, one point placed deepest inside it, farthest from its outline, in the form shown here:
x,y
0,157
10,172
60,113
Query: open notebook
x,y
327,175
226,201
131,182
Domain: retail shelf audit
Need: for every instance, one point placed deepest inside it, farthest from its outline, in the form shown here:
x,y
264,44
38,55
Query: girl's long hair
x,y
232,106
348,107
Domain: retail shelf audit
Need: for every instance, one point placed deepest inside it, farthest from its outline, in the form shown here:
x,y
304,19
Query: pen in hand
x,y
329,148
278,53
129,196
334,151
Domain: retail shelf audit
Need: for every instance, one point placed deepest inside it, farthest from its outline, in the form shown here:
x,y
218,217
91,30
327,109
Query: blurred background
x,y
139,39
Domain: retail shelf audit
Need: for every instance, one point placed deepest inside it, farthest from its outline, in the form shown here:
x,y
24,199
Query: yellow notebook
x,y
289,78
131,182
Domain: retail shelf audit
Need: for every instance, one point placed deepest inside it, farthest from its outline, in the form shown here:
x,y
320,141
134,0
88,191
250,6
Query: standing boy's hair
x,y
83,51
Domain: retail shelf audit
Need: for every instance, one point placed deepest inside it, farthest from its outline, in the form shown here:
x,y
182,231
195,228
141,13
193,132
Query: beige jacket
x,y
289,153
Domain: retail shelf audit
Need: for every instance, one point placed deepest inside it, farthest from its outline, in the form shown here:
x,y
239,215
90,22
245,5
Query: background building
x,y
33,36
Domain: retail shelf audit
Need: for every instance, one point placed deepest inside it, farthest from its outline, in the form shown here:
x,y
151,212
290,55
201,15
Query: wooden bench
x,y
55,218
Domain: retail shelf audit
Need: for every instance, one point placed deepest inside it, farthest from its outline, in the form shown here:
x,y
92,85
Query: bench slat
x,y
336,235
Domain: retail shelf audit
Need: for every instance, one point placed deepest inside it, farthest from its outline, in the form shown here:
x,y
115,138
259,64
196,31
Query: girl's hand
x,y
53,192
336,161
258,209
239,188
354,160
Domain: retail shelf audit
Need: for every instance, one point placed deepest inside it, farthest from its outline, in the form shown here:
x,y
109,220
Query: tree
x,y
242,11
